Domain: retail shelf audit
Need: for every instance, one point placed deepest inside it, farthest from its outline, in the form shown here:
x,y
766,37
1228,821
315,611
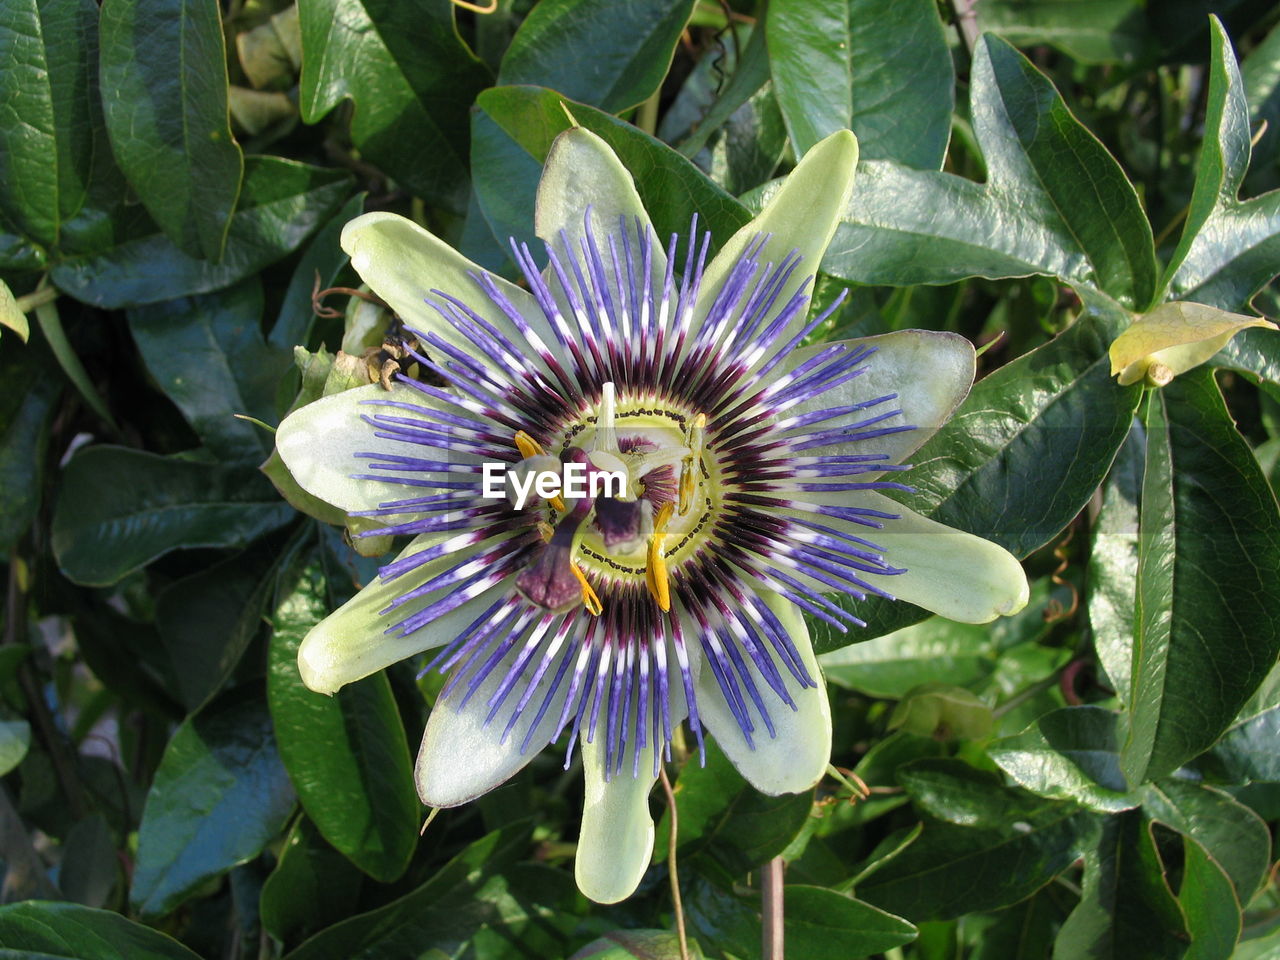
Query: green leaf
x,y
723,817
322,262
15,738
1232,834
637,945
164,68
1229,249
1126,911
864,64
1055,202
1026,930
29,392
1260,73
56,170
1020,457
1091,31
1209,903
749,77
90,867
512,131
482,887
953,870
310,886
932,651
1069,754
1246,752
119,509
1200,650
611,55
208,619
55,335
954,792
347,754
219,796
280,205
36,930
411,79
208,355
1112,581
11,315
821,924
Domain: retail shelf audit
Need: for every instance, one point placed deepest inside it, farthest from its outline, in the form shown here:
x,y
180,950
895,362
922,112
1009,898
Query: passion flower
x,y
752,475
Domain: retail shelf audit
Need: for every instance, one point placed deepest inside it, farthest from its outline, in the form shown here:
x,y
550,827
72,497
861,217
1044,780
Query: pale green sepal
x,y
955,574
930,371
402,263
801,216
319,443
464,754
797,757
352,642
583,174
616,841
11,314
1174,338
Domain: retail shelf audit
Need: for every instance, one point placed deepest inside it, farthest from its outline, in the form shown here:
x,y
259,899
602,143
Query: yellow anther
x,y
689,467
687,487
590,600
545,531
656,574
530,447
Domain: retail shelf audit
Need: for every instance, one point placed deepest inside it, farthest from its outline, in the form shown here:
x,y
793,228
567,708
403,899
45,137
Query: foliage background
x,y
1096,777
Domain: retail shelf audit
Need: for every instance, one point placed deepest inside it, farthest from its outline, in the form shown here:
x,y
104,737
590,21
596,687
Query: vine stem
x,y
772,910
672,872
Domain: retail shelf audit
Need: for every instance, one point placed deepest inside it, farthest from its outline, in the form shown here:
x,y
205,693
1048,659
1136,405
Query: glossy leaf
x,y
637,945
220,795
953,870
1071,754
723,817
864,65
1091,31
347,755
310,886
36,930
56,172
954,792
1260,73
610,55
208,619
208,355
411,79
483,887
1054,202
164,70
1246,752
512,132
1228,250
29,391
1126,910
119,509
1202,650
1209,903
281,203
15,738
1026,930
749,77
1112,581
824,925
1232,834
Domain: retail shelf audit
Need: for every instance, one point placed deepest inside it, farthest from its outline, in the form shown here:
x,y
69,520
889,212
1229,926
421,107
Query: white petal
x,y
797,757
616,842
801,216
930,372
319,444
403,263
465,755
951,573
352,642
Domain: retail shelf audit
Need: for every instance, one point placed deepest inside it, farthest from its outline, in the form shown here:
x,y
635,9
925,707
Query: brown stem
x,y
672,872
772,911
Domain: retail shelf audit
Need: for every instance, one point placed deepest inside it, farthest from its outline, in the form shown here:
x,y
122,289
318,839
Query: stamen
x,y
656,574
590,599
689,468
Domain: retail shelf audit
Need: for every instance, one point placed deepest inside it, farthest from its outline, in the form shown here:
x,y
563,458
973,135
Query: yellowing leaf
x,y
11,314
1172,339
